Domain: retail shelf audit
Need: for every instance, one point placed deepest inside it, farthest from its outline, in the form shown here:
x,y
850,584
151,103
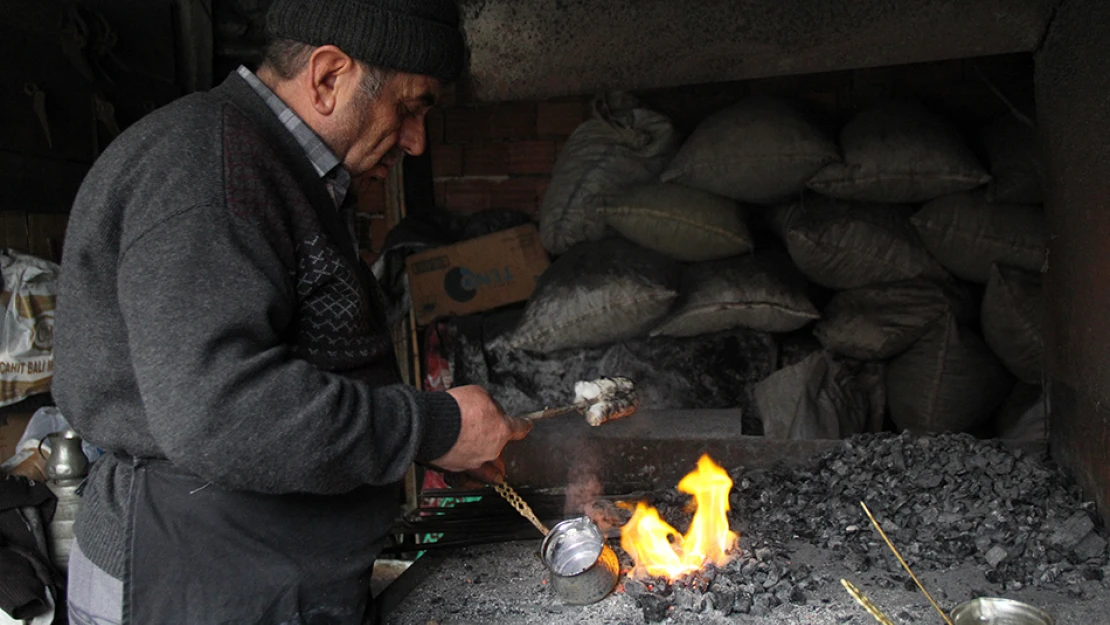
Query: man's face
x,y
378,133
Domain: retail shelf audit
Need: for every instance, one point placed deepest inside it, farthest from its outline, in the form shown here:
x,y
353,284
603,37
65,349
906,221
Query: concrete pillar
x,y
1073,112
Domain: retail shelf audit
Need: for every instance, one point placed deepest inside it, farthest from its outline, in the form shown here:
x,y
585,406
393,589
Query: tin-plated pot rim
x,y
594,582
560,529
1017,607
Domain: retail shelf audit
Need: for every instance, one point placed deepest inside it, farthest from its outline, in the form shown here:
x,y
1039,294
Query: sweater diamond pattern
x,y
334,327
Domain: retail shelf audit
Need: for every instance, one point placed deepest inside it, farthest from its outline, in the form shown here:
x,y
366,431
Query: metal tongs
x,y
601,401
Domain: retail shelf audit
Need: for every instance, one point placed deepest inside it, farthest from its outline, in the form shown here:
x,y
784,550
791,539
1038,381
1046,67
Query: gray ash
x,y
945,501
706,372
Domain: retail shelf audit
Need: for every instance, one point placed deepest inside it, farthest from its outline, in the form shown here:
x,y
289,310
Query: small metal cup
x,y
991,611
583,567
67,460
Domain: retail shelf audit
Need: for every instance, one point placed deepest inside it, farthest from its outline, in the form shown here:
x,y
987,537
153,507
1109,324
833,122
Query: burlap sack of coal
x,y
817,398
1023,416
759,292
706,372
966,233
778,219
881,321
949,381
869,377
847,245
682,223
761,150
1012,320
795,347
597,293
1014,156
899,151
623,144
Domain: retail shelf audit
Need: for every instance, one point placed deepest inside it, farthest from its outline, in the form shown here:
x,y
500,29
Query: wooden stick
x,y
904,565
861,599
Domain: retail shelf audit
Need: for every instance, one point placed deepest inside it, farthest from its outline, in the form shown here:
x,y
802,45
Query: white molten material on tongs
x,y
601,401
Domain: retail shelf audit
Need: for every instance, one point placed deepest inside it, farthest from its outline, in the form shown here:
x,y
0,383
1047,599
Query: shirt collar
x,y
325,161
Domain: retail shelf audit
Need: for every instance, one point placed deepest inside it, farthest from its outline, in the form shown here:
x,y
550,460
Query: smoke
x,y
584,487
584,492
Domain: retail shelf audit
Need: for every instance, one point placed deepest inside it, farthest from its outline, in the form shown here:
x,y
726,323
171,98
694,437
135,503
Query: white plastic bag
x,y
27,328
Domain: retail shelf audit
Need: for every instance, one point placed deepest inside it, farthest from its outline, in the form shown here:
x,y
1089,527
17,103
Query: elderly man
x,y
219,336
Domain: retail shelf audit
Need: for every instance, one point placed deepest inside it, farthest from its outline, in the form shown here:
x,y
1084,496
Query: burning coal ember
x,y
672,570
659,550
753,583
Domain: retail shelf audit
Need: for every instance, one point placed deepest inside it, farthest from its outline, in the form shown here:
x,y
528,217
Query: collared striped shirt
x,y
325,162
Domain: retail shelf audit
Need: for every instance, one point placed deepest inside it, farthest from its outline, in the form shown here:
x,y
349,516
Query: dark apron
x,y
203,554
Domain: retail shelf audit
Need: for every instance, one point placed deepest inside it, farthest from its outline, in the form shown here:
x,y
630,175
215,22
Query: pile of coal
x,y
946,501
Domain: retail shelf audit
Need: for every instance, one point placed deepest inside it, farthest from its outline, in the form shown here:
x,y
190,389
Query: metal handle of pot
x,y
521,506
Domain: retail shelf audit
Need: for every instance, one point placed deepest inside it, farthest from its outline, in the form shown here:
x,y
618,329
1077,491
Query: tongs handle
x,y
549,412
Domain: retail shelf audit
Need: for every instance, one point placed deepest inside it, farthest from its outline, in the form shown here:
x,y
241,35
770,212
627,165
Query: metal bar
x,y
394,594
442,545
548,412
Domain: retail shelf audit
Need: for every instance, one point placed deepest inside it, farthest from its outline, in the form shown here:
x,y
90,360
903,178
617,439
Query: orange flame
x,y
660,551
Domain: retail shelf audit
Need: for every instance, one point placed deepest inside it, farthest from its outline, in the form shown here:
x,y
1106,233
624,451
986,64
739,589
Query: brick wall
x,y
498,155
371,221
483,156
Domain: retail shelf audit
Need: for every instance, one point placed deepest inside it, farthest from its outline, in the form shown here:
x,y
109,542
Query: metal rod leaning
x,y
862,599
904,565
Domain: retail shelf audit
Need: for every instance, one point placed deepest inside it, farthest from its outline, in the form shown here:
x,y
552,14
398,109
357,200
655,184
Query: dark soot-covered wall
x,y
1073,109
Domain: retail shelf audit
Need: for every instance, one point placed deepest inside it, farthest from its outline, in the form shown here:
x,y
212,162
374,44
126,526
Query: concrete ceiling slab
x,y
533,49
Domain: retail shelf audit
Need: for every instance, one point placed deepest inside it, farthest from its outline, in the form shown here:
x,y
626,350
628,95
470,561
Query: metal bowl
x,y
992,611
583,568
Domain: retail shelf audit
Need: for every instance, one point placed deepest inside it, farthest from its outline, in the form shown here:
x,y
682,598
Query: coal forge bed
x,y
972,518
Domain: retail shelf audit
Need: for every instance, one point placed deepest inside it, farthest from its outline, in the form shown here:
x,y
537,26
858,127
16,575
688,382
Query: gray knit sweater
x,y
212,312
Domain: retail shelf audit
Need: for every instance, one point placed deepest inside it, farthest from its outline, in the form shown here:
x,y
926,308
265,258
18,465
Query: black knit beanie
x,y
414,36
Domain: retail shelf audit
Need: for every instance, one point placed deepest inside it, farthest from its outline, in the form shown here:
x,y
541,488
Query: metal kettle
x,y
67,460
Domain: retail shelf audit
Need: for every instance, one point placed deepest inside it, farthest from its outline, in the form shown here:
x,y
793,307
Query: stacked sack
x,y
899,225
917,234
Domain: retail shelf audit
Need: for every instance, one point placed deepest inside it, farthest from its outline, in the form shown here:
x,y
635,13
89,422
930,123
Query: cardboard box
x,y
476,275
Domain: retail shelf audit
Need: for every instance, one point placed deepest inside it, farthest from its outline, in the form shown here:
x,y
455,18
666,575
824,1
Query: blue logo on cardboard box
x,y
462,284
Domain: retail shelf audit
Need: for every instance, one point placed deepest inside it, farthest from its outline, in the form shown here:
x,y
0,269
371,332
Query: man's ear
x,y
332,74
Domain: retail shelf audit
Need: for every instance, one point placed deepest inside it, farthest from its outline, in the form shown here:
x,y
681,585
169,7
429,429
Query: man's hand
x,y
485,429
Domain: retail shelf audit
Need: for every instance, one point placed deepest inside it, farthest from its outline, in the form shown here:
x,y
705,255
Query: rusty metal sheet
x,y
651,448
